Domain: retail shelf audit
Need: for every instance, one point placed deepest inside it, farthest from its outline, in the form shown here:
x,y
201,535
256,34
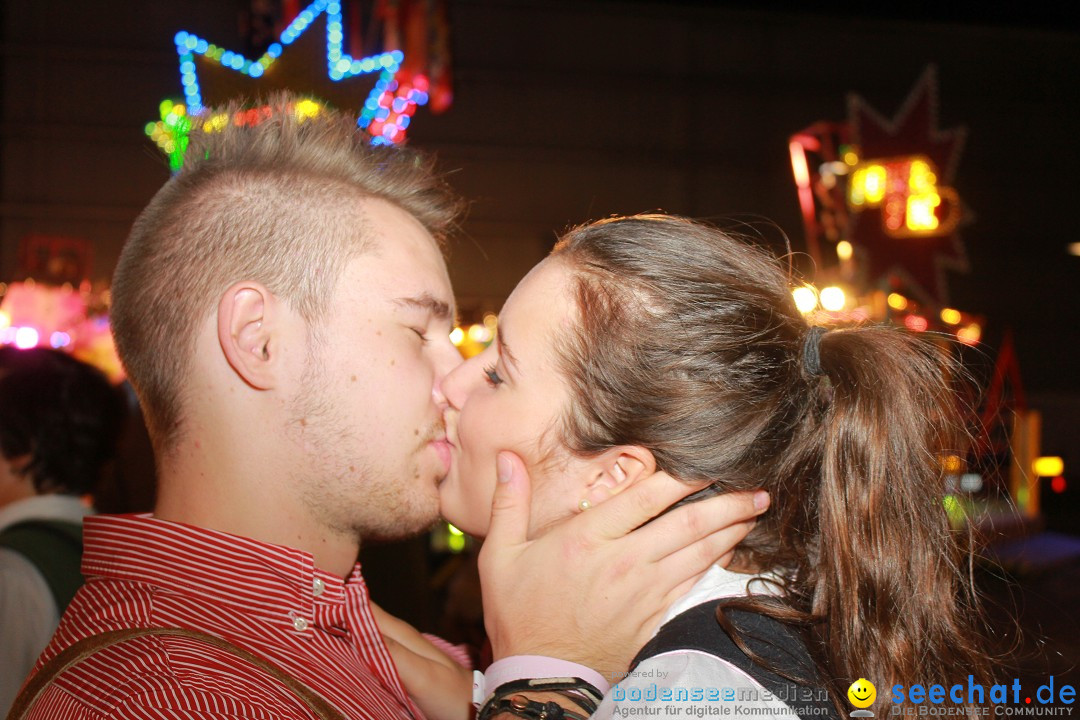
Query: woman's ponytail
x,y
890,580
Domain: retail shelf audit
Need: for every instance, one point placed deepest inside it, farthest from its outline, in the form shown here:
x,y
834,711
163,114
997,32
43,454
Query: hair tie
x,y
811,355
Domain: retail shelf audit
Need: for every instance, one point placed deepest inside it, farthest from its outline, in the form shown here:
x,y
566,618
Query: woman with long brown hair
x,y
655,342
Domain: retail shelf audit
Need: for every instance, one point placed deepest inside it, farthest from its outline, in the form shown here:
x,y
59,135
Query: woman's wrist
x,y
524,667
542,699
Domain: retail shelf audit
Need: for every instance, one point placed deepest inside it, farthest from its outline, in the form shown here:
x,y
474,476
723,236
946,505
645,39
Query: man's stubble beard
x,y
340,483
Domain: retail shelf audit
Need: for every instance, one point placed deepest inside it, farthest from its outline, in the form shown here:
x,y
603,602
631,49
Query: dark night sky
x,y
1017,174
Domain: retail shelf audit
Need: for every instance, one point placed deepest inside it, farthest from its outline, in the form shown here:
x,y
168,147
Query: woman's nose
x,y
445,363
460,382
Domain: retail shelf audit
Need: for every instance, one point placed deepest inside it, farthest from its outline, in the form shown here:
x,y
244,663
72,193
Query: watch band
x,y
521,706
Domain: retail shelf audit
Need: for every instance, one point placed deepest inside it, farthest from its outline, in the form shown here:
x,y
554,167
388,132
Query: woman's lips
x,y
443,450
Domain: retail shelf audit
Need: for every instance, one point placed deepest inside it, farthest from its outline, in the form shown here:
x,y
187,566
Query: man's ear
x,y
249,317
616,469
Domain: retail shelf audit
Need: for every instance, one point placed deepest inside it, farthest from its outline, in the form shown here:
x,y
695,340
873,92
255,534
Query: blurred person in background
x,y
60,421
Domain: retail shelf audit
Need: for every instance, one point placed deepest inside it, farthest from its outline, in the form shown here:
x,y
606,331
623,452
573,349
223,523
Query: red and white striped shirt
x,y
271,600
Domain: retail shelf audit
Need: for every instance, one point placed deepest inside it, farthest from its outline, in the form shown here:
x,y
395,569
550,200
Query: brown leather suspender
x,y
86,647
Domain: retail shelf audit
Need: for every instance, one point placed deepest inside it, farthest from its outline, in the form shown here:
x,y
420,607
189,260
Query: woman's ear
x,y
248,315
616,469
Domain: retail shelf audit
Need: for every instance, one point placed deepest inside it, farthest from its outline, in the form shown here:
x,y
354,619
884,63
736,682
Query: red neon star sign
x,y
907,223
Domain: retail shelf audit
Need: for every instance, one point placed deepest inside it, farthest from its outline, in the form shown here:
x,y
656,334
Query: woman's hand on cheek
x,y
593,588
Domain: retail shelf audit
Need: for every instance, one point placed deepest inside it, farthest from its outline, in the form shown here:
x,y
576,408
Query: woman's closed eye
x,y
492,377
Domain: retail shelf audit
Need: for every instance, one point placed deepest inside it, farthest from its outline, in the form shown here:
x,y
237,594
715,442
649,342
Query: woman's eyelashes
x,y
492,377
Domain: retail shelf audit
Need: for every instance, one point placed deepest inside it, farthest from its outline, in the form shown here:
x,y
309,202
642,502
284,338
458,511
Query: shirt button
x,y
318,587
300,624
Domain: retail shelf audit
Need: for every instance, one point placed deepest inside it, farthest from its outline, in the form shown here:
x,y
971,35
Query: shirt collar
x,y
215,566
718,582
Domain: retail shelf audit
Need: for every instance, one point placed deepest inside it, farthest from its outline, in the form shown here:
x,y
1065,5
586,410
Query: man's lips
x,y
443,448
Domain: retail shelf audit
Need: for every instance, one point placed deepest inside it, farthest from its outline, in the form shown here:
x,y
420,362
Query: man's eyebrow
x,y
426,301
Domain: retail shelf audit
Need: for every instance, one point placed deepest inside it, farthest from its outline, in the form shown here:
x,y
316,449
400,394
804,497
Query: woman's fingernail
x,y
505,467
761,500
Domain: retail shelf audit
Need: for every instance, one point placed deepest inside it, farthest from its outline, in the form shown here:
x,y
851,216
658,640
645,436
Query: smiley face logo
x,y
862,693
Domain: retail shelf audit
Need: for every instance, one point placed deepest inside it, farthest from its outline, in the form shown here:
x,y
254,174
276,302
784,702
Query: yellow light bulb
x,y
921,178
897,301
805,299
479,333
1048,466
307,109
833,299
874,183
844,250
920,216
217,123
969,334
950,316
856,188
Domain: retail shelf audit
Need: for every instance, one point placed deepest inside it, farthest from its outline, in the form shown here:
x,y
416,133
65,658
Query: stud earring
x,y
584,505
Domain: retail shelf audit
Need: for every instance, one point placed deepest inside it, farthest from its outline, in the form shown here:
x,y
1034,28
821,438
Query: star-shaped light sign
x,y
385,114
902,210
879,190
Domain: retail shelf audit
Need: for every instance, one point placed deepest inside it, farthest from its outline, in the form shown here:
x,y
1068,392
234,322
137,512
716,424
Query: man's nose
x,y
447,366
